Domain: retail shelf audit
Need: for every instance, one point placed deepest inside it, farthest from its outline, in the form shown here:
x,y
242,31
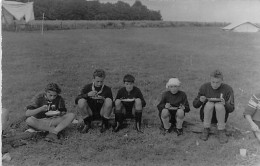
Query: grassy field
x,y
153,55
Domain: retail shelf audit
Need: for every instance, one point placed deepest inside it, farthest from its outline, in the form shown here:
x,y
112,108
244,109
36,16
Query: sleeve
x,y
83,94
196,102
119,94
109,94
251,106
62,106
230,104
140,95
34,103
162,103
186,104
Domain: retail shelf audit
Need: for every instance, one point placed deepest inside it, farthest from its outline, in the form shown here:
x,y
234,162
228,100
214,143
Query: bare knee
x,y
82,103
138,104
164,114
219,107
108,103
118,104
70,116
180,113
209,106
30,121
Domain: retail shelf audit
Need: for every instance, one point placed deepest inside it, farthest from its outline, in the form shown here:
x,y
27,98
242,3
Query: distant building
x,y
242,27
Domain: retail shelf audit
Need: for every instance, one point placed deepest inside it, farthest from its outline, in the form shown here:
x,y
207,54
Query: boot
x,y
222,136
87,125
205,134
104,125
118,122
138,120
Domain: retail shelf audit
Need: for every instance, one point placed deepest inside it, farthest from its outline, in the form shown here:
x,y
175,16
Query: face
x,y
174,88
51,95
98,81
215,82
129,86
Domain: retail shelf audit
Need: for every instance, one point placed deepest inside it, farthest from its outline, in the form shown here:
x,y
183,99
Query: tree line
x,y
92,10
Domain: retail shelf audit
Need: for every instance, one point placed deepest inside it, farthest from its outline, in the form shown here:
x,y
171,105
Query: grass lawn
x,y
153,55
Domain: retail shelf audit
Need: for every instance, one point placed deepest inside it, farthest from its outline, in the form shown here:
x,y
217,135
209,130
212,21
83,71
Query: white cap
x,y
173,81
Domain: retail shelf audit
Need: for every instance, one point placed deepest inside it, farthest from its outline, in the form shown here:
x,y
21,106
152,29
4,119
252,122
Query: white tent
x,y
12,10
242,27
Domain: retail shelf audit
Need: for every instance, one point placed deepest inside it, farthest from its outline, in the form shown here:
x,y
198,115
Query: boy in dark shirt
x,y
172,107
95,102
50,100
216,100
129,100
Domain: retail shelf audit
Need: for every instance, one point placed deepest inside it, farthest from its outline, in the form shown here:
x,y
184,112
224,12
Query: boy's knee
x,y
180,113
82,103
70,116
118,103
164,114
108,102
219,107
30,121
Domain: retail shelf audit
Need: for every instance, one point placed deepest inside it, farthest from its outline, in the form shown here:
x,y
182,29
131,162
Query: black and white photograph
x,y
130,82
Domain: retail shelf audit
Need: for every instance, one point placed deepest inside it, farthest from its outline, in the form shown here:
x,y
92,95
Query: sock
x,y
119,118
138,117
88,120
105,121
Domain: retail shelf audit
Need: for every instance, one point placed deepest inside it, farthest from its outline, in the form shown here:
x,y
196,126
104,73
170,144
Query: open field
x,y
153,55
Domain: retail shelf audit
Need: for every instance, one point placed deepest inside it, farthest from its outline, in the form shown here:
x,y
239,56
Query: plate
x,y
214,99
127,100
97,97
52,113
173,108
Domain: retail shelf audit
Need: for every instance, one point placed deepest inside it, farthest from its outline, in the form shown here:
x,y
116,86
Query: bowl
x,y
128,100
52,113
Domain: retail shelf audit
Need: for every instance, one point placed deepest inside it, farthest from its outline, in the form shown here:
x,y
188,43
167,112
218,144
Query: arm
x,y
186,104
32,112
83,94
162,103
229,104
254,126
197,101
140,96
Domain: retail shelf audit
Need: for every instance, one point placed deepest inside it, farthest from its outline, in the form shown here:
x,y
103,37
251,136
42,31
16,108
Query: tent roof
x,y
19,10
234,25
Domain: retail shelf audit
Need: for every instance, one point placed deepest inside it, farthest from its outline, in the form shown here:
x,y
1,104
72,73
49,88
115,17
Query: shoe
x,y
85,128
116,127
51,137
165,131
103,128
179,132
205,134
222,136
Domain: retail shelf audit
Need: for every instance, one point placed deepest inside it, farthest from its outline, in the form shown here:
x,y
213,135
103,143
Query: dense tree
x,y
92,10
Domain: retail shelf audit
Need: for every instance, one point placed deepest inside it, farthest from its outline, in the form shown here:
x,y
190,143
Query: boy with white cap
x,y
173,106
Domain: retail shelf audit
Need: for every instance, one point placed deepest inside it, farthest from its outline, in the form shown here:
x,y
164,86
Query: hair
x,y
129,78
217,74
53,87
99,73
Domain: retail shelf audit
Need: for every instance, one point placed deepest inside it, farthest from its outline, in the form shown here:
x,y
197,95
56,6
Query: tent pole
x,y
42,22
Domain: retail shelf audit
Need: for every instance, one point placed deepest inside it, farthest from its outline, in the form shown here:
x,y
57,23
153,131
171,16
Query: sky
x,y
204,10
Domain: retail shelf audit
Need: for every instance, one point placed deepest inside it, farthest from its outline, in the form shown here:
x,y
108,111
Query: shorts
x,y
95,106
128,109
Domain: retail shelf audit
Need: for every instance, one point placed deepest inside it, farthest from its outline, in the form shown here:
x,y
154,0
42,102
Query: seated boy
x,y
216,100
252,114
95,102
129,100
173,106
41,104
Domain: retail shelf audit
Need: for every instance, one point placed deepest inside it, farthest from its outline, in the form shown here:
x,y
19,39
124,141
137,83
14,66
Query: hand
x,y
44,108
223,101
254,127
62,113
92,93
167,105
203,99
182,107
